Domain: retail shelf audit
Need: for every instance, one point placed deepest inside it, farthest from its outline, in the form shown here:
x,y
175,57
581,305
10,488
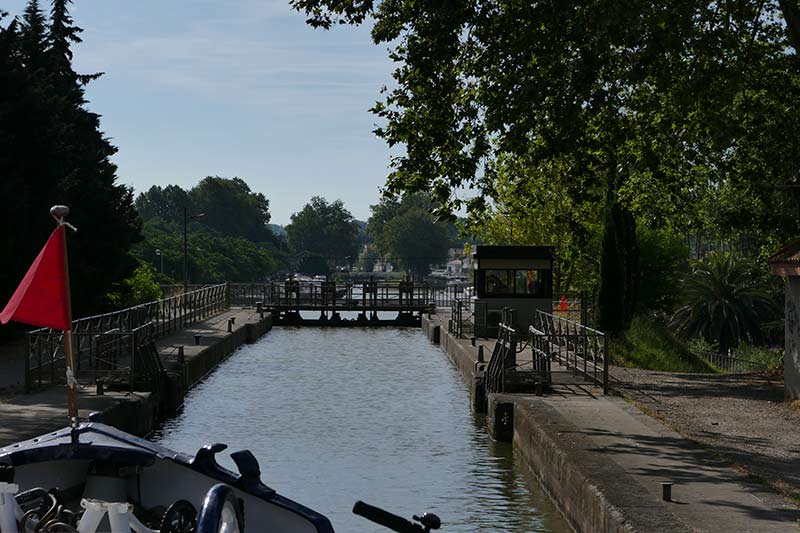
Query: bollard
x,y
230,326
480,354
197,339
472,341
666,491
181,357
260,309
100,389
233,320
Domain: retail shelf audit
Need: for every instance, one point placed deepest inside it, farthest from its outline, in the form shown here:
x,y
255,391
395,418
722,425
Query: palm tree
x,y
723,303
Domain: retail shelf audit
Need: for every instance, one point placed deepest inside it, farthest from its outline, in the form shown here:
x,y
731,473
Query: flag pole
x,y
60,212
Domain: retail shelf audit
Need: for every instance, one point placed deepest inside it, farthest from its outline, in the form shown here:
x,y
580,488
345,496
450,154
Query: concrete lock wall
x,y
791,356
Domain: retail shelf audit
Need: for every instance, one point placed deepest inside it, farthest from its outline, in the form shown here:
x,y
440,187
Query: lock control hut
x,y
515,277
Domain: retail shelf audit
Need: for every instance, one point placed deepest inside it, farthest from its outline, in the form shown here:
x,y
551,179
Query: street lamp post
x,y
186,218
161,256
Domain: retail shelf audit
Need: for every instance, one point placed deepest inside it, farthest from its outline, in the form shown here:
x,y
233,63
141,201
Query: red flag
x,y
41,299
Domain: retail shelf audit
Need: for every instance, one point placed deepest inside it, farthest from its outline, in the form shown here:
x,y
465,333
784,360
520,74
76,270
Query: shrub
x,y
724,303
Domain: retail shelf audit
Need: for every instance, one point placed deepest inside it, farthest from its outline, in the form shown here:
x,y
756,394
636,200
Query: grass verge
x,y
650,345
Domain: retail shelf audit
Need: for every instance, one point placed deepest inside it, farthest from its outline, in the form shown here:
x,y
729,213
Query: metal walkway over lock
x,y
287,299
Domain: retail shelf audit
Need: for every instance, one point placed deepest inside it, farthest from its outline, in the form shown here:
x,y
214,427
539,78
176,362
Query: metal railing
x,y
518,368
443,295
174,289
366,296
108,345
462,317
731,364
249,294
576,306
581,350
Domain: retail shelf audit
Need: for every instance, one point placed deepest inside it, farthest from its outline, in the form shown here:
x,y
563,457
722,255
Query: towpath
x,y
743,418
628,454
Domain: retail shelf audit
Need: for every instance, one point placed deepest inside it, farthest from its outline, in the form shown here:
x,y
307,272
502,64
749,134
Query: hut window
x,y
531,283
528,282
499,282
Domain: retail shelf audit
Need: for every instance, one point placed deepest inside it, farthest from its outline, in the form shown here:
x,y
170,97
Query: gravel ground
x,y
742,417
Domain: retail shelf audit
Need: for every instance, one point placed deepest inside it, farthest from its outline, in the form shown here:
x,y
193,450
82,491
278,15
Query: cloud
x,y
271,68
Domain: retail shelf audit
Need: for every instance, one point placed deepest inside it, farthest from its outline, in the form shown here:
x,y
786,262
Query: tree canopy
x,y
669,114
228,205
325,229
405,232
212,257
52,151
232,241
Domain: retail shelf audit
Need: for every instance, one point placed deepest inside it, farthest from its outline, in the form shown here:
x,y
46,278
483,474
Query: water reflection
x,y
336,415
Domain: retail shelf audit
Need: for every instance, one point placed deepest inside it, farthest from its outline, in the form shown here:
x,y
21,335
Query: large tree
x,y
231,208
52,151
406,233
166,203
228,207
324,229
638,102
232,241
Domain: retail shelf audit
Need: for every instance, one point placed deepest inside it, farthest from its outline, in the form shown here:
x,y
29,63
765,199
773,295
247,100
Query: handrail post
x,y
28,364
605,365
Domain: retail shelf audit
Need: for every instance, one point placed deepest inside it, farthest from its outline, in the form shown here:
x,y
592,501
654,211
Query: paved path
x,y
29,415
708,495
24,416
211,331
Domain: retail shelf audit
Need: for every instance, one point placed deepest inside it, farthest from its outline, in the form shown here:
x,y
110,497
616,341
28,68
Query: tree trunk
x,y
619,267
791,14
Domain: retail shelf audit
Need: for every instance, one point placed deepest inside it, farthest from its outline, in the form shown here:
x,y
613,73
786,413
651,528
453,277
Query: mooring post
x,y
666,491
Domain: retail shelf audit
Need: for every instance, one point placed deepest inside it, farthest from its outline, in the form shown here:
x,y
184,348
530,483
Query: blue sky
x,y
235,88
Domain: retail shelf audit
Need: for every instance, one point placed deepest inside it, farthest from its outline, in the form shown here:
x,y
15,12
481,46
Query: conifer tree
x,y
52,150
33,35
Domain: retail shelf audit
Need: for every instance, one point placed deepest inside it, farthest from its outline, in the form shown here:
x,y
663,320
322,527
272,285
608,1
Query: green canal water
x,y
380,415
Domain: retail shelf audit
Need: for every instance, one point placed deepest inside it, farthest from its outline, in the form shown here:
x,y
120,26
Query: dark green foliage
x,y
52,151
166,203
314,265
663,262
724,303
231,242
212,257
229,207
326,229
406,232
141,287
682,111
